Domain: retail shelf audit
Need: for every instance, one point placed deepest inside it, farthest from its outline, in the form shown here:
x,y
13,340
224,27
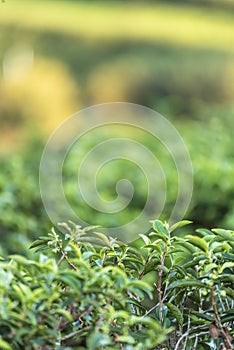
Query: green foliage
x,y
84,290
90,291
84,299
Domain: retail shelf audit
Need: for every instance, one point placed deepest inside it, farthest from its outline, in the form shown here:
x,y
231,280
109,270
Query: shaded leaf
x,y
175,311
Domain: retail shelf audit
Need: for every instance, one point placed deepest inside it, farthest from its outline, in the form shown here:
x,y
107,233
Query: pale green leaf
x,y
198,242
179,224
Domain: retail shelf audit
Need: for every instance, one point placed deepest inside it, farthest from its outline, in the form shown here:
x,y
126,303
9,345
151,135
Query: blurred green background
x,y
60,56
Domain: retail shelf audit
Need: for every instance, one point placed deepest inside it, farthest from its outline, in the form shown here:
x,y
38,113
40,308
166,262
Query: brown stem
x,y
218,320
61,259
159,287
64,256
104,259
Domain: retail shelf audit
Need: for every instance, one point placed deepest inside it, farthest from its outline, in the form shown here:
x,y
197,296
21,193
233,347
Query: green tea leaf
x,y
225,234
198,242
179,224
227,265
21,260
185,283
4,345
175,311
159,227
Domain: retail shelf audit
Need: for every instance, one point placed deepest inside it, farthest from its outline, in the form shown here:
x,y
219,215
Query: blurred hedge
x,y
212,154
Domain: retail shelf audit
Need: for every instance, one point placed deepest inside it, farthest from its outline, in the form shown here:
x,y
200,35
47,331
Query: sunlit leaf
x,y
198,242
179,224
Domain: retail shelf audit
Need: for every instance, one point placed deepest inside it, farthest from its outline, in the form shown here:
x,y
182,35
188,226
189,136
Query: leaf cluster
x,y
84,290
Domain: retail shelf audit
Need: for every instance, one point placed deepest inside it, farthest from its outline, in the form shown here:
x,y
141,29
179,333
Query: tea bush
x,y
84,290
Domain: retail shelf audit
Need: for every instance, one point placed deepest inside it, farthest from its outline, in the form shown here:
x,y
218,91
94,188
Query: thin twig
x,y
221,302
70,335
159,288
61,259
165,295
64,256
192,336
150,310
195,343
188,330
104,258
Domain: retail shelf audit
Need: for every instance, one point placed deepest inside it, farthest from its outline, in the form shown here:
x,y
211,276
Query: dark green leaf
x,y
175,311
